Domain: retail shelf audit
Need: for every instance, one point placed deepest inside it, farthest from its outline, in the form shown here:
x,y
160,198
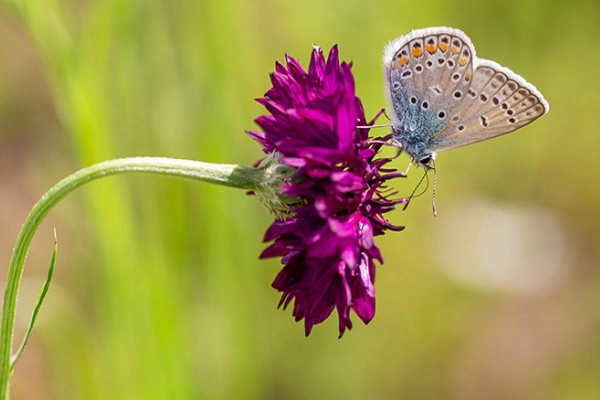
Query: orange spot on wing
x,y
431,48
394,65
443,46
402,60
454,49
468,76
417,52
462,62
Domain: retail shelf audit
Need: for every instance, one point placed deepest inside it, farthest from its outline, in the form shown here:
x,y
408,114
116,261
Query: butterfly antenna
x,y
434,187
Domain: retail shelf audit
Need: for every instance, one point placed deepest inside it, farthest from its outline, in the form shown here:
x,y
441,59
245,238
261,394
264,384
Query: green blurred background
x,y
159,293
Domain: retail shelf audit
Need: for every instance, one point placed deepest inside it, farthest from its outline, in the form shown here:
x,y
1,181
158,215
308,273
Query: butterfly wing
x,y
497,102
443,96
427,75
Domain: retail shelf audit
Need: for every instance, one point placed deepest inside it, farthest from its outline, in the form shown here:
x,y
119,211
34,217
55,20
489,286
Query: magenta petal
x,y
347,181
317,64
365,308
348,254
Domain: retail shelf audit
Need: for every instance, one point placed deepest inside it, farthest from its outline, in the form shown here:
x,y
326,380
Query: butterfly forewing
x,y
428,71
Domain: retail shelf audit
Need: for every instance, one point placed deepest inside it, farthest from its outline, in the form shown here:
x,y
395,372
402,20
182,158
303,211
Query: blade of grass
x,y
38,306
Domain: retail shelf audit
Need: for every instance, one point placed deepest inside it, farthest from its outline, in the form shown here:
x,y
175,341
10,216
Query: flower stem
x,y
221,174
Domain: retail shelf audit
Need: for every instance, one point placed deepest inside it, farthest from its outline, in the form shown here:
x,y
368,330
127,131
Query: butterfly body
x,y
442,96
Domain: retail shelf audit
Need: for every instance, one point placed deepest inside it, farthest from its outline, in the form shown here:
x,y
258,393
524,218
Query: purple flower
x,y
327,246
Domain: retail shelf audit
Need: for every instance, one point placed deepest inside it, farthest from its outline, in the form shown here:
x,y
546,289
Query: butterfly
x,y
442,96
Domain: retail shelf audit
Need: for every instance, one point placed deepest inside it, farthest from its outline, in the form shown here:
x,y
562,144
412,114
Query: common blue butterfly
x,y
442,96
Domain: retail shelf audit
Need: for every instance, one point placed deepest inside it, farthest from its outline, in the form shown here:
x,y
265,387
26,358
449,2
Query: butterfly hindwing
x,y
497,102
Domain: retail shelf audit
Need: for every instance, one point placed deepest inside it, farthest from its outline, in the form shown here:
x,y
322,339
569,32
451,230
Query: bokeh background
x,y
159,293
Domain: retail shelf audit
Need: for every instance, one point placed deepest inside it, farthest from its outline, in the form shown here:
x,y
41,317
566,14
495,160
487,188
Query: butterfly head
x,y
426,161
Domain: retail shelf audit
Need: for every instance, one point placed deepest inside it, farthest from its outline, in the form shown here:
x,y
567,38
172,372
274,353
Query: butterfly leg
x,y
374,126
395,143
385,115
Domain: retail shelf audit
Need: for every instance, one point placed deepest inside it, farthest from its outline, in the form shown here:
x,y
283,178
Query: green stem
x,y
222,174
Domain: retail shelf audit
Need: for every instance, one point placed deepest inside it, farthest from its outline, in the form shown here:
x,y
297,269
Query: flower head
x,y
316,125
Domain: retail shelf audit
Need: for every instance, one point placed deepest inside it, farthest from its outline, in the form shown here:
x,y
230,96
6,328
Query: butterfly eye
x,y
425,160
